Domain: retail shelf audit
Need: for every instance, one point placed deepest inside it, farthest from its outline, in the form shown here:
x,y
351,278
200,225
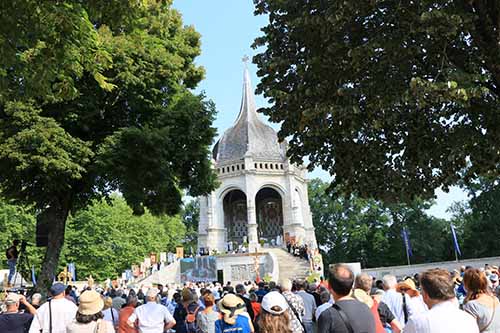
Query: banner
x,y
153,258
199,269
406,240
179,252
455,240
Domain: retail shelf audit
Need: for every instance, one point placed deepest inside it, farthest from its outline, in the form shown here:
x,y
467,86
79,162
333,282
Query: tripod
x,y
23,268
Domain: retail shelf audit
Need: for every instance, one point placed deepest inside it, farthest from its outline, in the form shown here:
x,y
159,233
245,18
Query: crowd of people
x,y
436,300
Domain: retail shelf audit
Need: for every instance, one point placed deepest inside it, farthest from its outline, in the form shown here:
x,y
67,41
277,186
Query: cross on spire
x,y
245,60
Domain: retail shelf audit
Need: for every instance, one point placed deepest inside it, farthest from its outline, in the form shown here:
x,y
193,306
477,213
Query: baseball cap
x,y
12,298
272,300
57,288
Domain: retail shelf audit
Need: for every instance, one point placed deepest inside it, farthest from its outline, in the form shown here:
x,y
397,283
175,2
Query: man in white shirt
x,y
399,304
59,310
152,317
444,315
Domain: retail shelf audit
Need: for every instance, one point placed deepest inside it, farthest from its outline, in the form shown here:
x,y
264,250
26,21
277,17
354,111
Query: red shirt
x,y
123,326
378,324
256,309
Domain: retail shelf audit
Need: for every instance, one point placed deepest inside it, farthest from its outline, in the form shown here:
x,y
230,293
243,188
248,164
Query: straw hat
x,y
363,297
231,306
408,286
90,303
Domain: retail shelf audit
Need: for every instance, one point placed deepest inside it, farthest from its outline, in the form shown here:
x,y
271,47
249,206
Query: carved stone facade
x,y
261,194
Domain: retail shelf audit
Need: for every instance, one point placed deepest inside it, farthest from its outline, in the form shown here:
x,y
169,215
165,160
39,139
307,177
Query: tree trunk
x,y
56,215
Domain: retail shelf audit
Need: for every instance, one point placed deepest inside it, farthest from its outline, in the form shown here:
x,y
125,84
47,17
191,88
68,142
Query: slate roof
x,y
248,135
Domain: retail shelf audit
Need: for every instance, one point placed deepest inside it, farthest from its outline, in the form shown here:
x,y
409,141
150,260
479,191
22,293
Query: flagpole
x,y
408,257
456,255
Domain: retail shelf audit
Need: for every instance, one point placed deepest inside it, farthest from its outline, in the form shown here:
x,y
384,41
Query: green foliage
x,y
106,238
394,99
96,97
191,218
17,222
366,231
477,222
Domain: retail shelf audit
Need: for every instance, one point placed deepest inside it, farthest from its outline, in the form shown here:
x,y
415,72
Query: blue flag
x,y
72,270
406,240
455,240
33,277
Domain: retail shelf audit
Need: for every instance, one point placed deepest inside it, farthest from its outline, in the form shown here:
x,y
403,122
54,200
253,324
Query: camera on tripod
x,y
24,243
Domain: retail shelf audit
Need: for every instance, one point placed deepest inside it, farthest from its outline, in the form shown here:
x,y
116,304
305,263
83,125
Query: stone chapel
x,y
262,197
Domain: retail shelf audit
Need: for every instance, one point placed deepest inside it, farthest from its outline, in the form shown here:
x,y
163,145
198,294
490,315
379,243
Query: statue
x,y
64,276
90,281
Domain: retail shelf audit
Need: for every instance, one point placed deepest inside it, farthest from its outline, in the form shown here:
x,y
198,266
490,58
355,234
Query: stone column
x,y
253,239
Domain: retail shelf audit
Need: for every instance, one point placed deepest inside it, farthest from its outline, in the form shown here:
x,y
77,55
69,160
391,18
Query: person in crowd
x,y
296,308
443,315
274,317
186,311
241,293
409,288
110,314
125,313
205,319
313,290
89,317
57,313
69,294
398,303
261,291
234,316
309,306
363,285
325,303
151,317
346,314
493,283
13,321
36,298
480,302
256,308
117,300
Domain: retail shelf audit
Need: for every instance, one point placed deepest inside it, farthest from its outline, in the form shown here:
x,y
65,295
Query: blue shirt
x,y
242,325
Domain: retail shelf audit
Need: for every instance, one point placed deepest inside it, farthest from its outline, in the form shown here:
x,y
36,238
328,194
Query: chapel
x,y
262,197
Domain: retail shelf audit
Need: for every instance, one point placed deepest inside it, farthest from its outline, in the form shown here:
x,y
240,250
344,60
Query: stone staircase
x,y
290,267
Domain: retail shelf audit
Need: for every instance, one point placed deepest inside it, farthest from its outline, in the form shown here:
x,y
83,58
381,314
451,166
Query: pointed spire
x,y
248,111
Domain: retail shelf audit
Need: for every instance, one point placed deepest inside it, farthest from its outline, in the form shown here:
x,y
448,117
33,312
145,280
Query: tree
x,y
191,218
106,238
477,221
394,99
95,97
352,229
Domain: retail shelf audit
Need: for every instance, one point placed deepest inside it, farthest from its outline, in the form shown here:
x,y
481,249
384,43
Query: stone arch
x,y
227,189
234,207
275,186
269,213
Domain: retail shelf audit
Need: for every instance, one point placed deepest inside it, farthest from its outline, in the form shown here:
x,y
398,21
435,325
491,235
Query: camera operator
x,y
12,255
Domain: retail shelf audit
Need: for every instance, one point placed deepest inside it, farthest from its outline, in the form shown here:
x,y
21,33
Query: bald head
x,y
341,279
364,282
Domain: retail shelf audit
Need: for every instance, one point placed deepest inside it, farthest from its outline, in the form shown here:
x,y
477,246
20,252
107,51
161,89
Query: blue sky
x,y
228,28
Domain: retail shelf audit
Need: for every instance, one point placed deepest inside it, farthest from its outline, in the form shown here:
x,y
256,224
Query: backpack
x,y
190,321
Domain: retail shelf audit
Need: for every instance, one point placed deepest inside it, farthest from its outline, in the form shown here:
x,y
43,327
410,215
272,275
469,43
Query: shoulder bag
x,y
344,317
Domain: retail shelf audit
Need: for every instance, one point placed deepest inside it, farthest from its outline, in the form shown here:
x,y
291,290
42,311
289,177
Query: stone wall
x,y
401,271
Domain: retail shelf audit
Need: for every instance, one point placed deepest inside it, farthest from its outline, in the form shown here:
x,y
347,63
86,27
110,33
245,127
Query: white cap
x,y
273,299
152,292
